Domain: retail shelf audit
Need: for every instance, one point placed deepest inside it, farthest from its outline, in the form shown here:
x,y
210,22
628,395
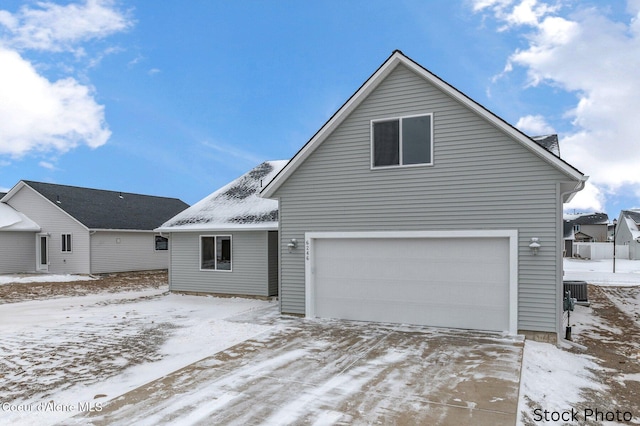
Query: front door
x,y
42,250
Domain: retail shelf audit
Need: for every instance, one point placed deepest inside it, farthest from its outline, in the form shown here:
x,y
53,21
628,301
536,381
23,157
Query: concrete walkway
x,y
335,372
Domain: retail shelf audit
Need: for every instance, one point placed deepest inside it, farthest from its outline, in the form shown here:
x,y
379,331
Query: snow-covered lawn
x,y
63,349
559,380
41,278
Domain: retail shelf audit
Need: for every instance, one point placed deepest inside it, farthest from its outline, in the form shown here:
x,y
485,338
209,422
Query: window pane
x,y
224,253
208,255
416,140
162,243
386,143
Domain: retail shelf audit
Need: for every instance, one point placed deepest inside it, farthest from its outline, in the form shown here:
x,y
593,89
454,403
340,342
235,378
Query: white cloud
x,y
54,27
47,165
39,115
590,199
595,56
534,125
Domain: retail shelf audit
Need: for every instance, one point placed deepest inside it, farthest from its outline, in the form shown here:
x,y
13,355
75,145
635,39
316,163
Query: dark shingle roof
x,y
591,219
2,194
100,209
548,142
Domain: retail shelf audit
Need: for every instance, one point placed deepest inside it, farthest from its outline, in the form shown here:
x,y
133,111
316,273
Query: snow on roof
x,y
236,205
632,218
587,218
12,220
549,142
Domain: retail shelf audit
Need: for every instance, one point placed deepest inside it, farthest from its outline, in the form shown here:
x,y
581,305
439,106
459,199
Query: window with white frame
x,y
403,141
66,243
215,252
162,243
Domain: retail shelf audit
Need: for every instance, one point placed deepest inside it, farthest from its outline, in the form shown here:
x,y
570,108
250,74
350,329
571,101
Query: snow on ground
x,y
90,349
552,379
600,272
42,278
555,379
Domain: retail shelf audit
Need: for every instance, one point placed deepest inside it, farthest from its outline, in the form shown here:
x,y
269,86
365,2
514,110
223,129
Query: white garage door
x,y
443,282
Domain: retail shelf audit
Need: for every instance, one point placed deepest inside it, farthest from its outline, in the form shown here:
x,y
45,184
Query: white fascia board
x,y
351,104
221,227
373,81
494,119
22,184
122,230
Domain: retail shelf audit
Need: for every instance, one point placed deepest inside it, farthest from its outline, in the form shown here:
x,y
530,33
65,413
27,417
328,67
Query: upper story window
x,y
403,141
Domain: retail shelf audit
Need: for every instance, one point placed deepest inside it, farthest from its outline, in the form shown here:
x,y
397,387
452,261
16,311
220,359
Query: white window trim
x,y
62,238
216,255
399,118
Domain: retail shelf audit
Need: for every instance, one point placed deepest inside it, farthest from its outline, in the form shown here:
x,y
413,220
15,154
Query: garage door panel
x,y
460,283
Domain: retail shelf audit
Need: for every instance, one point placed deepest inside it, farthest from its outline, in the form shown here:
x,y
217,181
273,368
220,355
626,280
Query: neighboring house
x,y
83,230
628,232
17,248
415,204
589,227
227,243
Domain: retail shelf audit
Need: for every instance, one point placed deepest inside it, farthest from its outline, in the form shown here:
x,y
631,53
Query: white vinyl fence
x,y
597,251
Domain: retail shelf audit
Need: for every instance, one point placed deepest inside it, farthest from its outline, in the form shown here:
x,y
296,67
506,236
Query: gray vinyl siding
x,y
114,251
55,222
17,252
249,275
481,179
273,262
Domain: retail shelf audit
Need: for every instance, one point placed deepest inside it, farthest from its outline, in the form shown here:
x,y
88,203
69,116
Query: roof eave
x,y
372,82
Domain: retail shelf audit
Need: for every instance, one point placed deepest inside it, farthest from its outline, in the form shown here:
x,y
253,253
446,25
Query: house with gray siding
x,y
90,231
227,243
628,232
415,204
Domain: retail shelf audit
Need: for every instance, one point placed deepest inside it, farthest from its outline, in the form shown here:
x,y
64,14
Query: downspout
x,y
168,237
559,247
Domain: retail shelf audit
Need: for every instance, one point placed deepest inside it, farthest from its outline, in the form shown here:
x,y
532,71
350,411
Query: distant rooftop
x,y
548,142
101,209
587,218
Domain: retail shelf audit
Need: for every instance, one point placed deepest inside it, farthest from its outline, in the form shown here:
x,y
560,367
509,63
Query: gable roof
x,y
632,219
397,58
101,209
12,220
235,206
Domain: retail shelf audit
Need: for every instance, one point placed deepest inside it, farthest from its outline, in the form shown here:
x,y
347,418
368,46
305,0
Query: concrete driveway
x,y
335,372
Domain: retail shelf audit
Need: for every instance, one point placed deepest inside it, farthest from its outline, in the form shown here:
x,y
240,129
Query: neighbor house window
x,y
66,242
162,243
403,141
215,252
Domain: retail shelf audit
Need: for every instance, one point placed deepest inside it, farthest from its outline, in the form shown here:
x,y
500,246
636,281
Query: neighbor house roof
x,y
398,58
548,142
235,206
587,218
101,209
12,220
632,218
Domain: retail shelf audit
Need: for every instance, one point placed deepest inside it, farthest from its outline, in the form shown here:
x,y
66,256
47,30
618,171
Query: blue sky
x,y
178,98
